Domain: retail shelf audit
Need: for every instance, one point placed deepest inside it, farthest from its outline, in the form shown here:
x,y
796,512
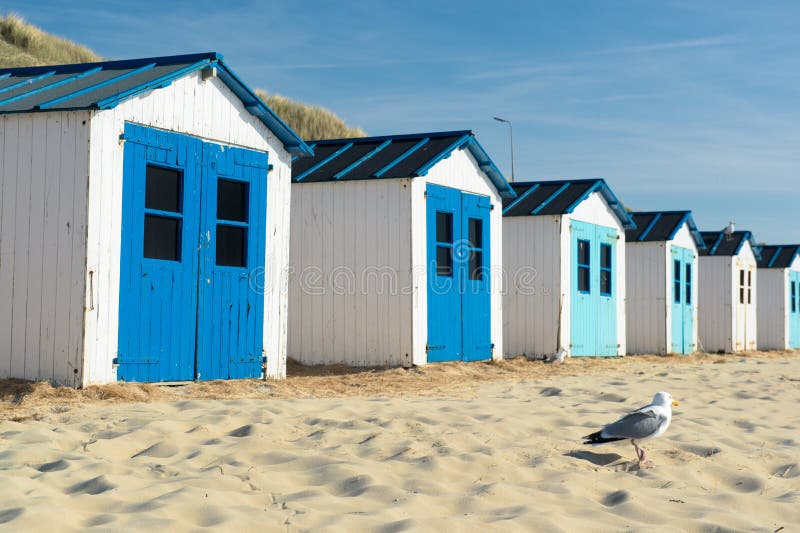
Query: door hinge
x,y
430,348
491,207
425,195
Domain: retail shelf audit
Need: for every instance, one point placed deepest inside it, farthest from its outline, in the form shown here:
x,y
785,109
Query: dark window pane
x,y
583,252
741,296
476,233
676,292
162,238
163,189
444,227
476,265
793,296
605,282
605,256
749,296
749,278
676,271
444,261
688,281
741,278
231,246
583,279
232,200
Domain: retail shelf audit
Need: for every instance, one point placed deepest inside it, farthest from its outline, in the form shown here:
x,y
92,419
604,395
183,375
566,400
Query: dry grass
x,y
24,45
20,400
310,122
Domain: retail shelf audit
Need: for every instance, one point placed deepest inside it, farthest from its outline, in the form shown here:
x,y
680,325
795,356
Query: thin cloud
x,y
704,42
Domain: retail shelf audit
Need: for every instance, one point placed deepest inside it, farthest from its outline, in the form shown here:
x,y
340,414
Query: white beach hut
x,y
394,241
564,263
779,297
144,212
661,268
727,293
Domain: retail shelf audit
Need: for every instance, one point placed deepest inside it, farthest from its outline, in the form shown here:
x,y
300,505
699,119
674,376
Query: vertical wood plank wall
x,y
532,292
715,313
773,296
44,172
203,109
350,294
647,301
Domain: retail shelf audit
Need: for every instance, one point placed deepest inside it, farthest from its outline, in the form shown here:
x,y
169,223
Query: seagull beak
x,y
675,402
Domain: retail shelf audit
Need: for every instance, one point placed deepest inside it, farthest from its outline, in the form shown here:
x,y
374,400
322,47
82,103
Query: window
x,y
584,266
163,216
475,233
605,269
444,244
676,281
688,281
793,296
475,237
232,223
741,286
749,286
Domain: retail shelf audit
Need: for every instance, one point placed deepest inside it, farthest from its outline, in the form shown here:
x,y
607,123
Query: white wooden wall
x,y
204,109
532,291
461,171
773,307
648,278
43,180
595,210
715,313
350,292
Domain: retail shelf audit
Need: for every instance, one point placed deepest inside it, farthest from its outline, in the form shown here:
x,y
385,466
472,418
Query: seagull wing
x,y
640,424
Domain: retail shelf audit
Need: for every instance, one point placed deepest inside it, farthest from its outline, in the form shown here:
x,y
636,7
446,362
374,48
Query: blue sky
x,y
678,104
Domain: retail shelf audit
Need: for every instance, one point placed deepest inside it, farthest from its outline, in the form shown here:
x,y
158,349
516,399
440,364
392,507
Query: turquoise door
x,y
192,259
794,310
459,300
593,309
681,296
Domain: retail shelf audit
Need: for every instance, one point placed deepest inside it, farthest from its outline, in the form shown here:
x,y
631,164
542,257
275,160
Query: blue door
x,y
192,259
794,310
593,309
681,296
459,299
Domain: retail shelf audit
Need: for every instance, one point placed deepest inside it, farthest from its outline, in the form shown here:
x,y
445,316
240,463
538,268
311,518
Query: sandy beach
x,y
448,447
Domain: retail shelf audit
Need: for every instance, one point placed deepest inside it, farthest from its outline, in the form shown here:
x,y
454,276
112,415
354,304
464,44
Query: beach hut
x,y
394,244
144,223
661,267
779,297
564,262
727,292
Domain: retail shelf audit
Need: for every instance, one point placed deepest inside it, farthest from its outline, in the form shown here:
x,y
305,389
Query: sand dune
x,y
504,455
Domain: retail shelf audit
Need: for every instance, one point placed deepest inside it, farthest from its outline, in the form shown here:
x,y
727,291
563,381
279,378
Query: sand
x,y
448,448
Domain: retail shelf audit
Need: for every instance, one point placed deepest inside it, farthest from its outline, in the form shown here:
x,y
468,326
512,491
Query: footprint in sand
x,y
244,431
612,499
55,466
10,514
161,450
94,486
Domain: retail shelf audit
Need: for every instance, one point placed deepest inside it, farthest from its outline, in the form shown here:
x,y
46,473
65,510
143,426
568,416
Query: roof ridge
x,y
432,134
116,63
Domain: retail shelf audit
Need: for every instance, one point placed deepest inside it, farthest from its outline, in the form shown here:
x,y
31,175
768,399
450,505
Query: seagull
x,y
558,357
644,423
728,230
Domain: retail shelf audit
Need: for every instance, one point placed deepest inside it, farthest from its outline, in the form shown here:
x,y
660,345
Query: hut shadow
x,y
597,459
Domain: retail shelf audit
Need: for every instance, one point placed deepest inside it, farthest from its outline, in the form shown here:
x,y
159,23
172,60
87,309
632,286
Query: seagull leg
x,y
638,451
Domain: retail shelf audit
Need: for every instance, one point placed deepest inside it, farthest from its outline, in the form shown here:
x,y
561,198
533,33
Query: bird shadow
x,y
598,459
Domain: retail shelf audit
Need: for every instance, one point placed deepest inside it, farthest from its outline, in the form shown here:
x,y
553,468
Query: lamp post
x,y
511,137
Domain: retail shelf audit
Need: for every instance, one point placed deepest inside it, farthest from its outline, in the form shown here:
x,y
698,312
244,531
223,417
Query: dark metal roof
x,y
392,156
656,226
778,255
560,197
106,84
719,244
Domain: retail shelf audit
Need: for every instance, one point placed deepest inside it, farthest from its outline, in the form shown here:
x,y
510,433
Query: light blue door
x,y
458,248
794,309
187,280
681,296
593,309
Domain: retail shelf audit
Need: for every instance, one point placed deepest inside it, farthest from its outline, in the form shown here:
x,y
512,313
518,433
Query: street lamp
x,y
511,137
